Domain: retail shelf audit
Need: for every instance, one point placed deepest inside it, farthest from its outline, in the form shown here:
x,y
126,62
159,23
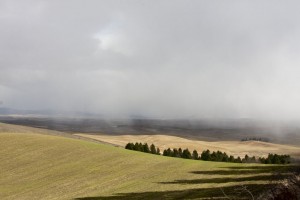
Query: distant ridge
x,y
49,113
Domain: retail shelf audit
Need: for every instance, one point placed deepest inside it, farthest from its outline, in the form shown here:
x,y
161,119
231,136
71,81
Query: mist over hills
x,y
205,129
190,60
46,113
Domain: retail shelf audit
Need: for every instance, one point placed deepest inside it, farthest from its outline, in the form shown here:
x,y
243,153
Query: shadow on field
x,y
238,191
251,170
226,180
206,193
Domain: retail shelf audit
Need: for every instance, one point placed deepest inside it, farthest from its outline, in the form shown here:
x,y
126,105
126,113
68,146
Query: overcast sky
x,y
165,59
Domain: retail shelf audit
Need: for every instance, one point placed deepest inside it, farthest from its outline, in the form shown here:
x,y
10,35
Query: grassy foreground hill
x,y
35,165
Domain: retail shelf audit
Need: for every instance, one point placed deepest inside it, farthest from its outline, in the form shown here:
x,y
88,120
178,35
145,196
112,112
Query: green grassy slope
x,y
36,166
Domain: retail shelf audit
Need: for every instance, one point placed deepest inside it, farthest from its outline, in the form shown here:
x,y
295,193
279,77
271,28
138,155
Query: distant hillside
x,y
236,148
44,113
206,130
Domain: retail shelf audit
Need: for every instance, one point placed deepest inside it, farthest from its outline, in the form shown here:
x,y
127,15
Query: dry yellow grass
x,y
236,148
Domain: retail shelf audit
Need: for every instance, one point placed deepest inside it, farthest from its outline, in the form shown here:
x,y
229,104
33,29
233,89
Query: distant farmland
x,y
36,165
205,130
236,148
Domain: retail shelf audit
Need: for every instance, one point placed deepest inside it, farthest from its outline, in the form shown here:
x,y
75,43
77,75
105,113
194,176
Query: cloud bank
x,y
164,59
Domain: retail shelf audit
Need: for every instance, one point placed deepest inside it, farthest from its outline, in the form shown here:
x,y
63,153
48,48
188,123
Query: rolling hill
x,y
235,148
42,164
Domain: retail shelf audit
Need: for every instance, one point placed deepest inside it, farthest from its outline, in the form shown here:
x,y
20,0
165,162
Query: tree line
x,y
143,148
276,159
255,139
207,155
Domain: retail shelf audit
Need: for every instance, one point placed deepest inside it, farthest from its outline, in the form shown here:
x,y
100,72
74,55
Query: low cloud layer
x,y
165,59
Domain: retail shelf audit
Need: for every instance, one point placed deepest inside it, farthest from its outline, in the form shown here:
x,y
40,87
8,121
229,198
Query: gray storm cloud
x,y
169,59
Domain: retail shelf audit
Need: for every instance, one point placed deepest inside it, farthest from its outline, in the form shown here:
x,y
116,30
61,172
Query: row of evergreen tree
x,y
207,155
221,157
276,159
143,148
179,153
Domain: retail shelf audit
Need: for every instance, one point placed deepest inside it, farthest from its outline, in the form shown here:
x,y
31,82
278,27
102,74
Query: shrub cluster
x,y
143,148
207,155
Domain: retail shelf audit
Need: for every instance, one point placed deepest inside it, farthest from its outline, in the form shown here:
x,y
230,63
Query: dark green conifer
x,y
180,153
186,154
129,146
153,149
146,148
158,151
205,155
195,155
175,153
